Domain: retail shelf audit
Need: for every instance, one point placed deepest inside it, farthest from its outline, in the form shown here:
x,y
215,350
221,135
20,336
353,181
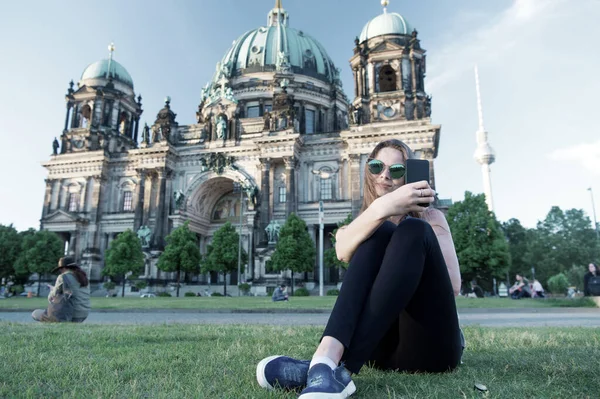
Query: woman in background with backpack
x,y
72,287
593,272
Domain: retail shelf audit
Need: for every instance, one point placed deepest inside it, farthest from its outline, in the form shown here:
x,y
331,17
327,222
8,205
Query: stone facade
x,y
287,134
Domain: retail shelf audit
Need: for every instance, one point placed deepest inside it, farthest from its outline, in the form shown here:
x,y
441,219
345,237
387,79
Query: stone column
x,y
147,198
95,205
355,183
47,198
397,64
137,128
69,106
414,72
73,243
371,69
62,195
309,182
138,199
355,71
290,182
161,212
265,208
361,81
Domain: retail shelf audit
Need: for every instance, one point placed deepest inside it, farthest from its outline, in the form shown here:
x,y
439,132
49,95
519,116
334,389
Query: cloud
x,y
489,41
585,154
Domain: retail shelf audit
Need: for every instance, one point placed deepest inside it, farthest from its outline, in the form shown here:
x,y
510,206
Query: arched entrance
x,y
210,202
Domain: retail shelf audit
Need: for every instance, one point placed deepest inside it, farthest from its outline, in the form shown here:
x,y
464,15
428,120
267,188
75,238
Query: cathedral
x,y
275,134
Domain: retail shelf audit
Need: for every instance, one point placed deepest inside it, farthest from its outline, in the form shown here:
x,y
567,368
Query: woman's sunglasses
x,y
397,171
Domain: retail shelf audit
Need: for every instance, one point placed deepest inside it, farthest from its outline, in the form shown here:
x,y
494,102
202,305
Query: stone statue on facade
x,y
157,135
272,230
145,235
267,120
357,115
179,198
221,126
146,134
55,146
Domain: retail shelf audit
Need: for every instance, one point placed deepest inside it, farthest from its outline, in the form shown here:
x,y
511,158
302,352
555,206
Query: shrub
x,y
244,288
189,294
141,284
333,292
216,294
301,292
16,289
558,284
575,276
109,285
163,294
270,291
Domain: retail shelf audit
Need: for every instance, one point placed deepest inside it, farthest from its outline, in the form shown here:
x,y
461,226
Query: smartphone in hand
x,y
417,170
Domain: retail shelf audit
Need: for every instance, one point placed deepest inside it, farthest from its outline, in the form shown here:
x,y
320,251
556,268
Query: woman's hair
x,y
369,193
595,266
68,262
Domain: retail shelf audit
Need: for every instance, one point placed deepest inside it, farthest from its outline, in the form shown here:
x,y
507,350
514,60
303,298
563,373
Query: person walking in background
x,y
591,281
72,283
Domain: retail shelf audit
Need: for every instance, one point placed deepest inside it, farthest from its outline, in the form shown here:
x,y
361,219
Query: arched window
x,y
325,184
123,123
387,79
127,201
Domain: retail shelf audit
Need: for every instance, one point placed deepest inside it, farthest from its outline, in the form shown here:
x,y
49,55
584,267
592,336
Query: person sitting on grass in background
x,y
520,289
537,289
280,294
396,309
72,276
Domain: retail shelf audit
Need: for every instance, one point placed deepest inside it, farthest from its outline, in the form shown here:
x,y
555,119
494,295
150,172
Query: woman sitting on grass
x,y
396,309
75,279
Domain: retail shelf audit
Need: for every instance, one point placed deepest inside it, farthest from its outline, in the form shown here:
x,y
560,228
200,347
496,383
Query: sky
x,y
538,66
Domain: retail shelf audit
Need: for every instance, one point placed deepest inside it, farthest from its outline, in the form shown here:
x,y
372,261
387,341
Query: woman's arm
x,y
57,289
348,238
438,222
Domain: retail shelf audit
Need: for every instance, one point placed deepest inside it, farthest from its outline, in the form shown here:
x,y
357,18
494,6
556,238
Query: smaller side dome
x,y
107,67
385,24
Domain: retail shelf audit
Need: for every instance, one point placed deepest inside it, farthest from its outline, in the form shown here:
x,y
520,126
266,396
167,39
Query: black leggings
x,y
396,308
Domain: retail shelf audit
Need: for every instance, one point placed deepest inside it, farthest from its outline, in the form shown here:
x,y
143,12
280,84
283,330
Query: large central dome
x,y
259,50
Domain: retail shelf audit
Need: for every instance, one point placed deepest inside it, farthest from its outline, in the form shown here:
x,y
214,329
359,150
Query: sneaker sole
x,y
260,372
349,390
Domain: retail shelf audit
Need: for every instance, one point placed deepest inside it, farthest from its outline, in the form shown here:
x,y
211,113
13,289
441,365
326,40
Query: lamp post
x,y
594,213
239,187
321,216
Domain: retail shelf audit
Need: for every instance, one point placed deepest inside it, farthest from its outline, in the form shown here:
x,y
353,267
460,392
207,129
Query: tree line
x,y
560,245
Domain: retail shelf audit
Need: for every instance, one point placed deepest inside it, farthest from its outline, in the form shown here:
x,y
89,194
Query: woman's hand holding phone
x,y
405,199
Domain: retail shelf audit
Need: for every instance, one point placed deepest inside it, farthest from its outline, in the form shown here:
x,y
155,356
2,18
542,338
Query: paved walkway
x,y
493,318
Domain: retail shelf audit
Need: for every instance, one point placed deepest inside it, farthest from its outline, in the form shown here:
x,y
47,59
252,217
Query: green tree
x,y
564,239
10,249
480,244
181,253
222,254
40,252
124,256
518,244
330,256
295,250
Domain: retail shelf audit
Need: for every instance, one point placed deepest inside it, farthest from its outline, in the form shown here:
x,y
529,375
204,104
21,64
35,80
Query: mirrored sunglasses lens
x,y
375,167
397,171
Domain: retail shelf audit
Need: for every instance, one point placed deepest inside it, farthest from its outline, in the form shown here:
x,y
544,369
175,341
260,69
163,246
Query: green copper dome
x,y
258,50
385,24
104,68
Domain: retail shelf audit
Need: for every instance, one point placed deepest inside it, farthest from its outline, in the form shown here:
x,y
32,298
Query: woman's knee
x,y
412,229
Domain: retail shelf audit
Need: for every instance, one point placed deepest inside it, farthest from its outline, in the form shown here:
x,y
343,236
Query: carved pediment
x,y
386,46
60,216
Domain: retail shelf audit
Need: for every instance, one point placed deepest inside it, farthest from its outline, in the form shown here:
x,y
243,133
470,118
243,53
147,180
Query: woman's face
x,y
383,182
591,268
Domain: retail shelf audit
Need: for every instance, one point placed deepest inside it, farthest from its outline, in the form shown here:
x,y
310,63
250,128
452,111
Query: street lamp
x,y
323,175
239,187
594,213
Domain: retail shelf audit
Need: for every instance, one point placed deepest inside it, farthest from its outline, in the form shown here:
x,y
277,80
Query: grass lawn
x,y
258,303
209,361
